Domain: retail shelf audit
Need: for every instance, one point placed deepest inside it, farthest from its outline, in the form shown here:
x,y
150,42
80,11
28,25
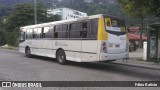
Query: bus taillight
x,y
104,47
104,44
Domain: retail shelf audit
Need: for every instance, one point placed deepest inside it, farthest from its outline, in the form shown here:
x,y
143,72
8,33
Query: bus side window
x,y
84,30
38,34
43,34
55,33
92,29
58,30
75,29
47,33
29,34
51,29
26,34
23,36
65,31
34,33
61,31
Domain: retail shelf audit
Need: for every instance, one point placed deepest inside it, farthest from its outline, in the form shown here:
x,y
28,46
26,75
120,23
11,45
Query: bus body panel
x,y
105,57
72,48
102,35
116,44
22,47
89,50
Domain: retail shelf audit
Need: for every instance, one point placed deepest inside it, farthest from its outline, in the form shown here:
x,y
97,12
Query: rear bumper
x,y
105,56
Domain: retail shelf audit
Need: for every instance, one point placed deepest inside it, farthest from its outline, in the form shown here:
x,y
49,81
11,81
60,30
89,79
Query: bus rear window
x,y
114,22
115,26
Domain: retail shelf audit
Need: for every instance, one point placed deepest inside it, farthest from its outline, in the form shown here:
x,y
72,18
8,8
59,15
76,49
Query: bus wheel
x,y
61,57
28,52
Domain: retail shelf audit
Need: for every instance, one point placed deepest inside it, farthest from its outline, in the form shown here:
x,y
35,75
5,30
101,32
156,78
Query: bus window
x,y
47,32
34,33
55,35
29,34
84,30
65,31
75,30
92,29
115,26
51,29
39,31
108,22
22,36
61,31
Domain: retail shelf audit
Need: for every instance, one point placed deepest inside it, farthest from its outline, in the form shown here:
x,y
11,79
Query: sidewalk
x,y
135,60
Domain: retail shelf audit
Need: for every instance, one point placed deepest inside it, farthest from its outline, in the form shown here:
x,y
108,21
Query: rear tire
x,y
61,57
28,52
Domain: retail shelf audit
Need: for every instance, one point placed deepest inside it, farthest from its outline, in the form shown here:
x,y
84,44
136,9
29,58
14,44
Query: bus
x,y
87,39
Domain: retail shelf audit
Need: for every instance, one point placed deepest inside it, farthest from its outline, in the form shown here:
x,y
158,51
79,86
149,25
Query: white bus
x,y
88,39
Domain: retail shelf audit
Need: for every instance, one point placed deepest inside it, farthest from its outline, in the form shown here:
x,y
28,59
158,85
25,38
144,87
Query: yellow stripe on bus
x,y
102,34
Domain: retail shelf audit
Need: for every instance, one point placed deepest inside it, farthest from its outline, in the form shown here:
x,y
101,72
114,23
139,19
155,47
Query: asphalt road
x,y
14,66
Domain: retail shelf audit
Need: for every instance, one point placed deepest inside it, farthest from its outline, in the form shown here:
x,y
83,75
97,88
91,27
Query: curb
x,y
131,65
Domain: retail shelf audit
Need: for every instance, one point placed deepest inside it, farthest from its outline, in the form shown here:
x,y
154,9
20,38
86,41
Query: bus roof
x,y
66,21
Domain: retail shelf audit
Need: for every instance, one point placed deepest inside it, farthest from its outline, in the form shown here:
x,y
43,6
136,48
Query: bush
x,y
12,38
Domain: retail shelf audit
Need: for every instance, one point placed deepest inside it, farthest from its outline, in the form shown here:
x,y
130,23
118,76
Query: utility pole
x,y
35,11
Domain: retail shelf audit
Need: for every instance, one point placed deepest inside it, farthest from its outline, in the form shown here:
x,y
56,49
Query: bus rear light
x,y
104,44
104,47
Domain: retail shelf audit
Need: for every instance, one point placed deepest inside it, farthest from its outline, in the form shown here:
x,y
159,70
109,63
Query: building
x,y
67,13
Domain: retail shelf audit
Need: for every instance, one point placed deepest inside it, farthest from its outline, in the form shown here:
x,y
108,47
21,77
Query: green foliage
x,y
154,7
11,38
138,8
135,8
22,15
141,7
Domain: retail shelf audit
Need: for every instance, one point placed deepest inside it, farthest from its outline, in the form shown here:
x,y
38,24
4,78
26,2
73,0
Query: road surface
x,y
15,66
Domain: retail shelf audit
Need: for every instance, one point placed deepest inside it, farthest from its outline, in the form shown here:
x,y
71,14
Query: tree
x,y
23,15
154,7
136,8
2,35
